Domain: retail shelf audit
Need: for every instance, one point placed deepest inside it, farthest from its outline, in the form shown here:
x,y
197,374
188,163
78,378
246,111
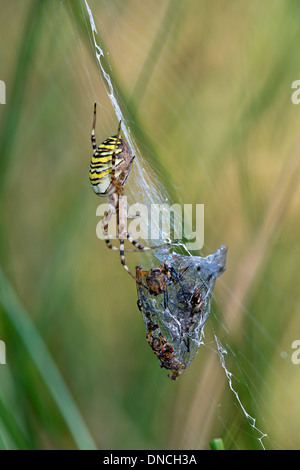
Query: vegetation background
x,y
206,90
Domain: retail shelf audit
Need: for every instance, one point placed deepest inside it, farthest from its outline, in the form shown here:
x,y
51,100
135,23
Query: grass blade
x,y
28,334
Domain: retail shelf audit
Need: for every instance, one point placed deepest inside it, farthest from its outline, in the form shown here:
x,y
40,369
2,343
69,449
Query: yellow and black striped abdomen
x,y
101,165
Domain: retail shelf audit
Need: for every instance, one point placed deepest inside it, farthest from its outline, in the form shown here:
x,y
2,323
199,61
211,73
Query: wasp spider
x,y
109,171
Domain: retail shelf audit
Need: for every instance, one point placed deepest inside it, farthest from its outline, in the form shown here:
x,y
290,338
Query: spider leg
x,y
145,248
114,207
105,222
123,262
121,222
93,137
118,186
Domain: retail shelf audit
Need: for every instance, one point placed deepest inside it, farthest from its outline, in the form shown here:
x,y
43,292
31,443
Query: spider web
x,y
149,190
176,312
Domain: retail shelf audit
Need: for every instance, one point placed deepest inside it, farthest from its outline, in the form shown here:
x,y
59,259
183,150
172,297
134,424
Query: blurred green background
x,y
205,87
